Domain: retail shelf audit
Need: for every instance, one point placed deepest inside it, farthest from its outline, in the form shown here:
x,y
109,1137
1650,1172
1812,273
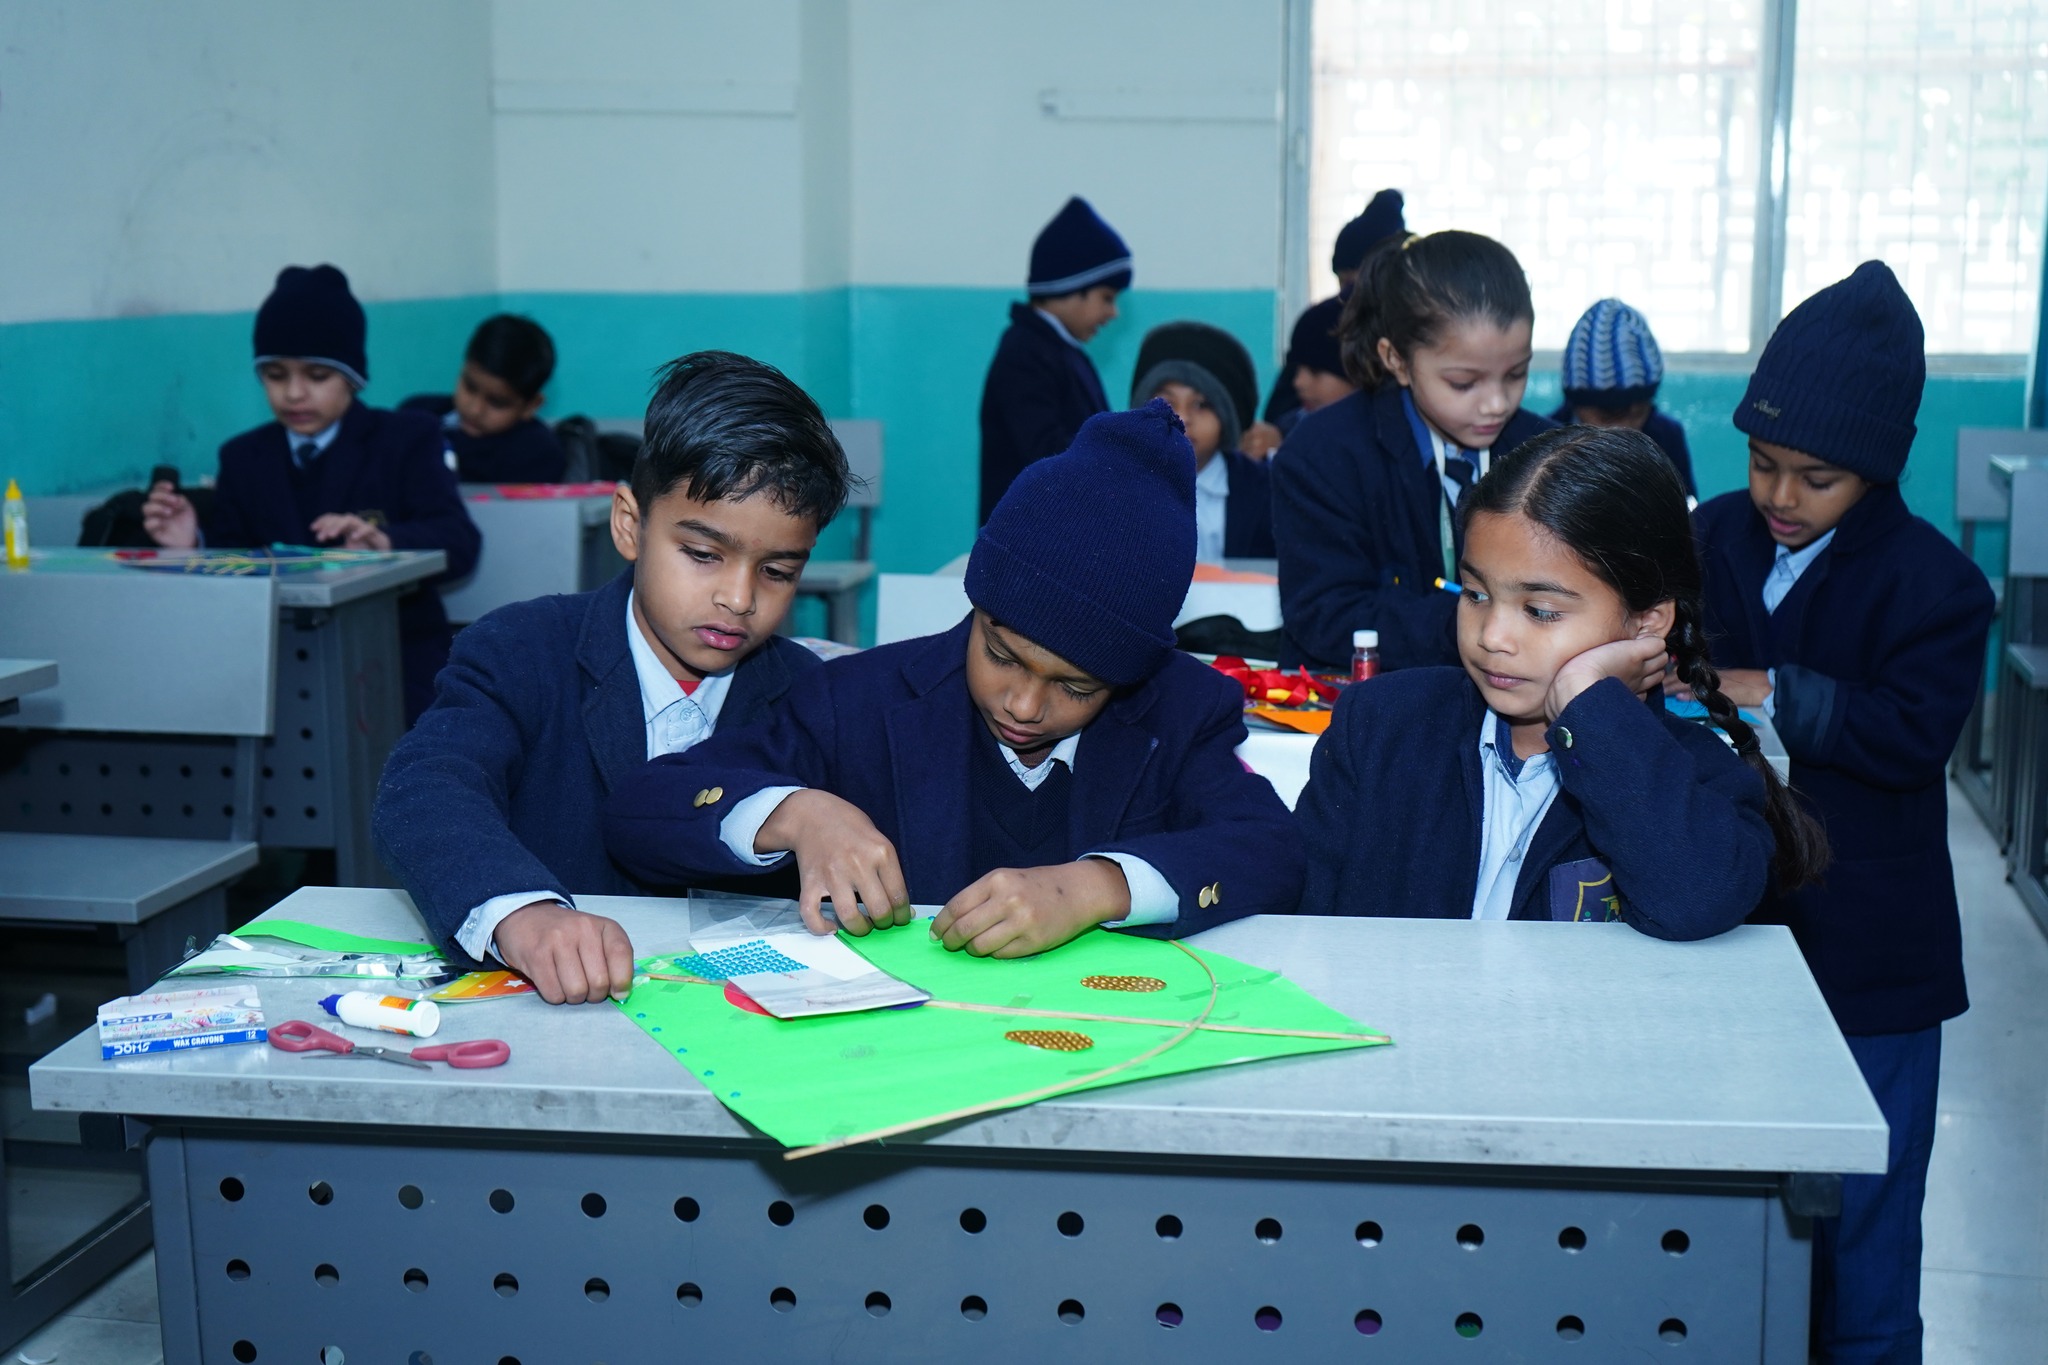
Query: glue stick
x,y
390,1013
14,514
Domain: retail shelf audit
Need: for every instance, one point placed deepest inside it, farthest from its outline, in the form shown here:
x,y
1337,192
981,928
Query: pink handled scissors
x,y
296,1035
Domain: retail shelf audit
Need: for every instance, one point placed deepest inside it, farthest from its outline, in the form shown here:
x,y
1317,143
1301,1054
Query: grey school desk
x,y
532,547
1584,1144
135,643
19,677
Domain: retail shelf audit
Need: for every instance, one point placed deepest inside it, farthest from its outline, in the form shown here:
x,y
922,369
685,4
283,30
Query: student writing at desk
x,y
489,809
1048,765
332,470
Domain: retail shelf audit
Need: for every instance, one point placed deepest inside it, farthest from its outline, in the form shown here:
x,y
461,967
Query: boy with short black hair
x,y
1205,374
489,810
491,420
1041,385
332,470
1861,630
1050,764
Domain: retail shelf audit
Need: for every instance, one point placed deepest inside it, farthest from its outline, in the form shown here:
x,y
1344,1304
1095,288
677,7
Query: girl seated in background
x,y
490,421
1543,779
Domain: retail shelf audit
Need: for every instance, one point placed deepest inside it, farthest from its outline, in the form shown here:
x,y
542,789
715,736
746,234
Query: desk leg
x,y
361,713
177,1285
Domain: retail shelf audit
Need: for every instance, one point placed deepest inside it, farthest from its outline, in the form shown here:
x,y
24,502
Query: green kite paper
x,y
823,1081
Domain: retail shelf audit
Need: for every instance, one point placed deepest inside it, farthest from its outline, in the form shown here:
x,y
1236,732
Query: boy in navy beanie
x,y
1048,765
1861,630
1308,380
1206,374
330,470
1041,386
1612,367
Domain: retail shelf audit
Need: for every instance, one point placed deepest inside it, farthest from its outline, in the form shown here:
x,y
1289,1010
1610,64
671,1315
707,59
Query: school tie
x,y
1458,466
304,453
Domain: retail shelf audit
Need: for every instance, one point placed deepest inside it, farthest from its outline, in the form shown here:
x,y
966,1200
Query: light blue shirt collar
x,y
675,720
1059,327
1518,794
1033,778
320,439
1786,568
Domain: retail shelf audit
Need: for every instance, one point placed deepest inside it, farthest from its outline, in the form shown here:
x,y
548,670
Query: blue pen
x,y
1455,589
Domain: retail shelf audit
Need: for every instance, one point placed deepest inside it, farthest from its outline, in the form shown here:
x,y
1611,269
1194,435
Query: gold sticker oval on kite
x,y
1123,983
1051,1039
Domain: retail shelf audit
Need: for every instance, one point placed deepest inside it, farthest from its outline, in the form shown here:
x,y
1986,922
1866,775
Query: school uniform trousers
x,y
1357,517
892,730
500,787
1040,389
1395,805
1878,651
386,466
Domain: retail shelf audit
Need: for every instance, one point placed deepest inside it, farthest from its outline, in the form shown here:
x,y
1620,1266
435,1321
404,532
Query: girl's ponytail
x,y
1802,845
1411,288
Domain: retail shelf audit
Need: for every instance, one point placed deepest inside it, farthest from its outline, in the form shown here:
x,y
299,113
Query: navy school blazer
x,y
1040,389
525,452
390,463
1879,649
1156,775
1665,431
1355,513
500,787
1395,800
1248,512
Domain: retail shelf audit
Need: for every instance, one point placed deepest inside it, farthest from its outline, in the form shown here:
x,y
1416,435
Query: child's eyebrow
x,y
1548,589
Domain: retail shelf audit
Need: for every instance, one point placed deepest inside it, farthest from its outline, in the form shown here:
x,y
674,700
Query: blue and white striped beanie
x,y
1611,361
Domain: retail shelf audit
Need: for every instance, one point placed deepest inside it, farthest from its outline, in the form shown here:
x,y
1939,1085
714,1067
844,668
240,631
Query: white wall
x,y
974,122
167,158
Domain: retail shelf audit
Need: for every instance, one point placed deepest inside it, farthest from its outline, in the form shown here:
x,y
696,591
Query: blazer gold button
x,y
1216,893
710,796
1207,897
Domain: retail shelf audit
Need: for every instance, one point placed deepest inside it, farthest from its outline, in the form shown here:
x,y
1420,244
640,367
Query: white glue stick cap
x,y
1365,639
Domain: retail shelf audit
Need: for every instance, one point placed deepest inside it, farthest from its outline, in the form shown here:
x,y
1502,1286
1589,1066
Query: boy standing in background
x,y
1041,385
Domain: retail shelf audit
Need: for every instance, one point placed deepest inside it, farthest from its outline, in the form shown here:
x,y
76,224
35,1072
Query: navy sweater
x,y
1393,808
1040,389
500,788
1879,649
890,730
1665,431
526,452
387,466
1248,513
1355,514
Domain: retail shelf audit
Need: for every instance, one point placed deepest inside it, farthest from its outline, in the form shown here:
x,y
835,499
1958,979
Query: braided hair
x,y
1611,496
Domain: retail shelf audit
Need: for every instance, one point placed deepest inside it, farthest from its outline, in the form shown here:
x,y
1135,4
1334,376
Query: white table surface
x,y
1516,1044
19,677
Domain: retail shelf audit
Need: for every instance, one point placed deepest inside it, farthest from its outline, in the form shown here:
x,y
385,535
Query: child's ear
x,y
626,524
1392,363
1657,621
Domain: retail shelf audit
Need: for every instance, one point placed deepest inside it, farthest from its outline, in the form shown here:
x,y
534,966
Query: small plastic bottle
x,y
390,1013
1365,655
14,515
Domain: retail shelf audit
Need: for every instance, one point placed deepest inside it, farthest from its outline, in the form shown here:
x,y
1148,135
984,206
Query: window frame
x,y
1777,49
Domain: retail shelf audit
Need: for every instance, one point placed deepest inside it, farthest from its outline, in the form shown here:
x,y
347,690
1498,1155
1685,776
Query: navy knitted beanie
x,y
1841,378
1077,251
1208,360
1091,551
1611,361
1313,342
1382,219
311,315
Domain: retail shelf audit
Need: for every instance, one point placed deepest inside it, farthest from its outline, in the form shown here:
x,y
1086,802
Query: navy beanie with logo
x,y
1313,343
1208,360
1091,551
1077,251
1841,378
311,315
1383,218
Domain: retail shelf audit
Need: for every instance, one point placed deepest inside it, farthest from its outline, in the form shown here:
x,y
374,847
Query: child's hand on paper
x,y
1014,912
570,957
840,854
352,531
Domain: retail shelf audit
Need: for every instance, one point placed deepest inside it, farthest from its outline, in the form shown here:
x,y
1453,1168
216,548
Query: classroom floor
x,y
1984,1278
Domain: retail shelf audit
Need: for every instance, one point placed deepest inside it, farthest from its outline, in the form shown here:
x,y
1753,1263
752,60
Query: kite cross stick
x,y
1043,1092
